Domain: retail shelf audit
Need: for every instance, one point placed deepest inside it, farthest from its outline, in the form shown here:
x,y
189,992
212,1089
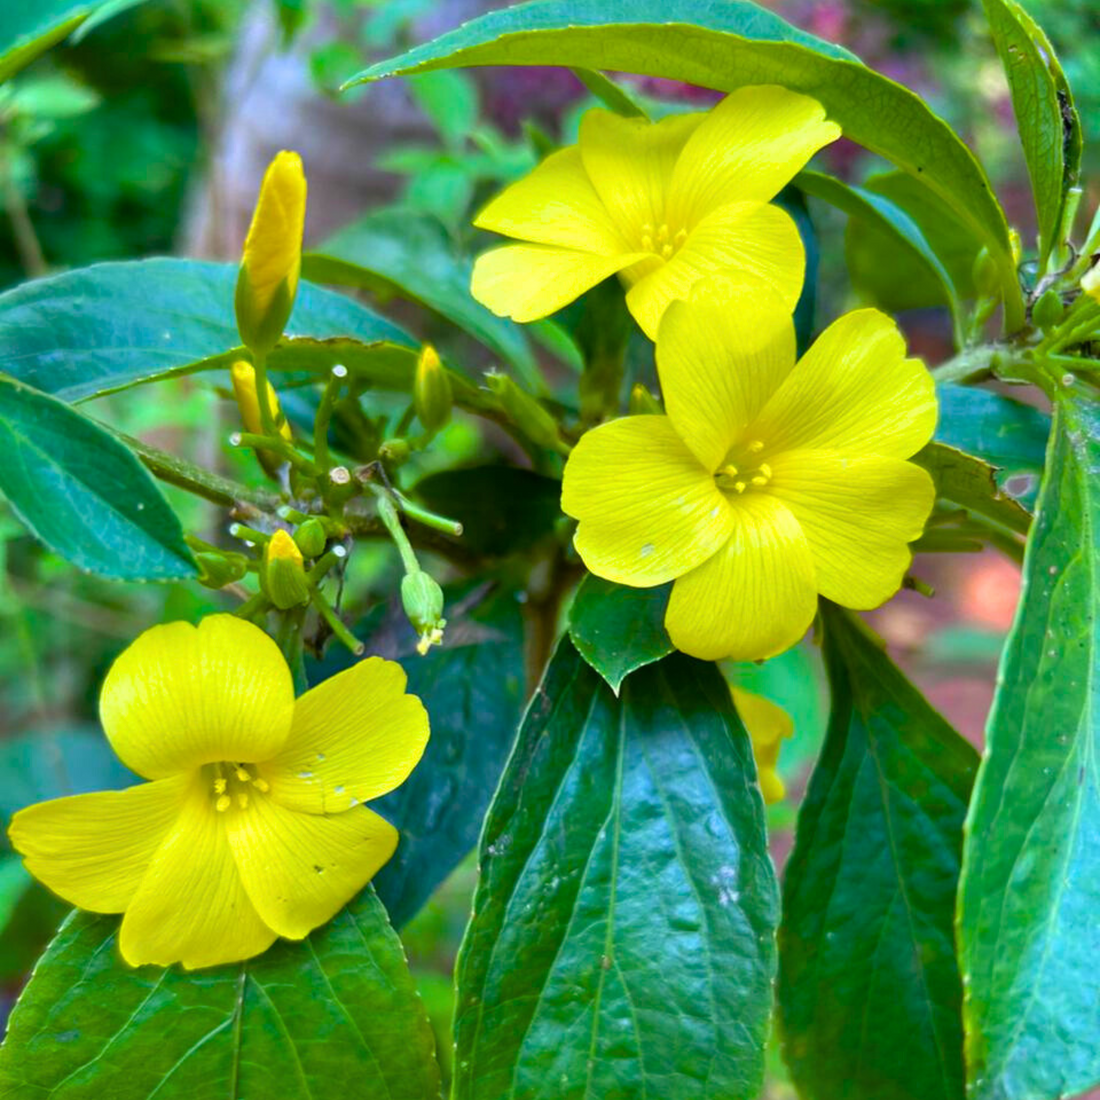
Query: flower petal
x,y
748,242
719,365
749,146
191,906
767,724
529,281
94,849
756,597
182,696
648,511
555,204
301,869
630,163
859,515
355,736
853,391
273,247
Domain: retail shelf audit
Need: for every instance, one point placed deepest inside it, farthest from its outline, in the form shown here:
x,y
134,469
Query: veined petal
x,y
94,849
355,736
529,281
748,147
555,204
753,599
719,360
752,243
191,906
853,391
858,514
648,511
301,869
630,163
181,696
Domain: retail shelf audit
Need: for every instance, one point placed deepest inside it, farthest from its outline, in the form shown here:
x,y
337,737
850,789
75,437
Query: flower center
x,y
662,241
743,470
232,784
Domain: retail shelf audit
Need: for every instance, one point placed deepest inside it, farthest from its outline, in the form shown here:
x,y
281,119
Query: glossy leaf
x,y
725,45
473,687
618,629
622,936
972,483
83,493
869,988
105,327
1047,120
1030,892
339,1007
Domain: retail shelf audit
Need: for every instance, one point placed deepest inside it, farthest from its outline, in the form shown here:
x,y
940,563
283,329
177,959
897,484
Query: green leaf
x,y
1028,934
410,254
339,1007
83,493
622,936
972,483
618,629
105,327
450,101
725,46
473,688
869,988
1047,120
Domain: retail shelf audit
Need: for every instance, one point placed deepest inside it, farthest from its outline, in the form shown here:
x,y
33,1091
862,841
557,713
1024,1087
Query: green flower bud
x,y
526,413
311,538
216,570
283,576
394,451
432,396
643,403
422,599
1048,310
987,278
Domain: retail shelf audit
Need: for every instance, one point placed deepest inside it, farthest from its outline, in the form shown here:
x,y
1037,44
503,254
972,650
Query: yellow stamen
x,y
242,800
739,486
261,785
755,446
242,775
219,785
223,803
759,481
729,471
765,469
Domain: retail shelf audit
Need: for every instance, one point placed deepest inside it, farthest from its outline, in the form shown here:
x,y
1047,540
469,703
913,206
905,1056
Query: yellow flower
x,y
251,826
661,204
768,726
767,482
272,259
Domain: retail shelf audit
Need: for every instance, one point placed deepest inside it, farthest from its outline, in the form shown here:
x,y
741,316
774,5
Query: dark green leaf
x,y
340,1007
869,988
1028,930
473,687
725,44
83,493
1050,130
622,937
108,326
618,629
972,483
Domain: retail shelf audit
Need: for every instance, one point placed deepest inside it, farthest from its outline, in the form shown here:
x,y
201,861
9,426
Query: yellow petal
x,y
555,204
719,364
355,736
768,724
859,515
747,242
181,696
771,786
748,147
243,376
191,906
529,281
756,597
301,869
630,163
853,391
94,849
648,511
273,247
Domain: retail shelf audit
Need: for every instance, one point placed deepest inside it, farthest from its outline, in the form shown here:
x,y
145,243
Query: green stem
x,y
331,395
277,445
428,519
327,613
267,414
387,512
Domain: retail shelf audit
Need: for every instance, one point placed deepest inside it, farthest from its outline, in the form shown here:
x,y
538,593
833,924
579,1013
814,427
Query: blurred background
x,y
150,137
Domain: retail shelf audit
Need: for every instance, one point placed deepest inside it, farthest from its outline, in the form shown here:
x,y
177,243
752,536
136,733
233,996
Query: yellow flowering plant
x,y
612,502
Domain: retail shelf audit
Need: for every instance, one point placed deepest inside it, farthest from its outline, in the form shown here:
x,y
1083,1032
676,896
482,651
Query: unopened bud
x,y
394,451
283,577
216,570
432,396
525,412
643,403
987,279
243,376
1048,310
311,538
422,599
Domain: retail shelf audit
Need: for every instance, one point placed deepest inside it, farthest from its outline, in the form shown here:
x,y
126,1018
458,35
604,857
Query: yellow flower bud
x,y
422,599
268,277
283,576
432,397
244,390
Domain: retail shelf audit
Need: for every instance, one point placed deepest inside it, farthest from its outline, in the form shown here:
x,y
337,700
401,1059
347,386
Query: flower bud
x,y
1090,282
394,451
767,725
525,412
310,538
268,276
432,397
422,599
1048,310
643,403
216,570
283,576
244,390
